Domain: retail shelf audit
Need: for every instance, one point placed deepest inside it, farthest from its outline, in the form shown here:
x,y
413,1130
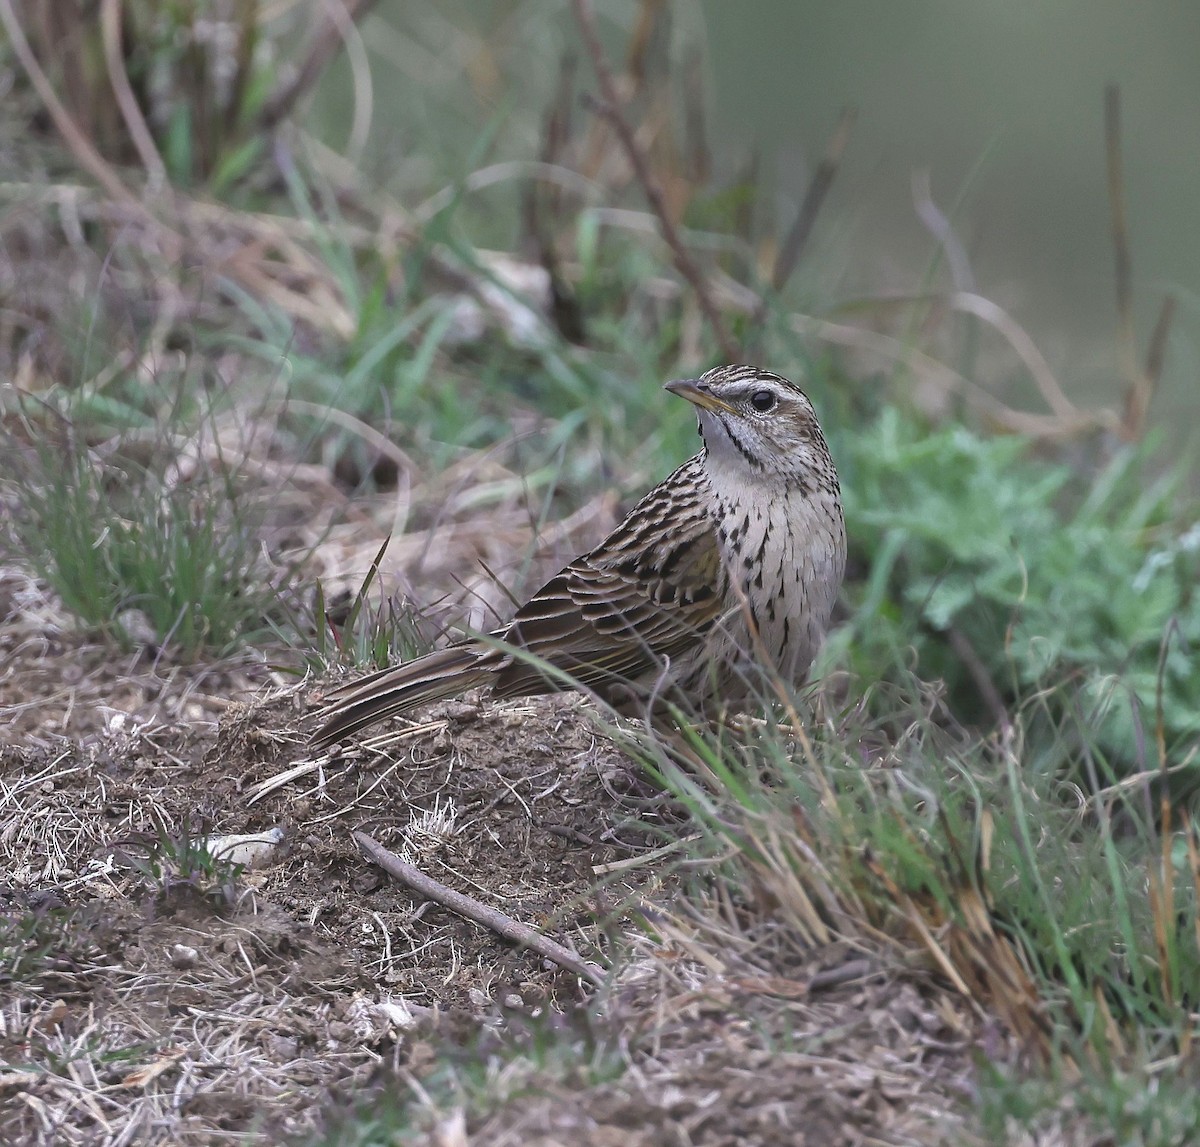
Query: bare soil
x,y
149,995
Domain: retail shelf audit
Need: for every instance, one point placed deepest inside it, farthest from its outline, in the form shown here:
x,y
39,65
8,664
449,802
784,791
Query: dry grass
x,y
153,997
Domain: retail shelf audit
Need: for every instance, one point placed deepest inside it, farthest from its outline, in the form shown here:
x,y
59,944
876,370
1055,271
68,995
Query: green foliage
x,y
1051,576
528,1055
29,938
462,368
178,864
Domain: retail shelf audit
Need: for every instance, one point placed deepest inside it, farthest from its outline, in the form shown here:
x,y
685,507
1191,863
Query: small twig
x,y
644,858
322,47
965,652
610,108
569,833
135,122
845,973
814,197
473,909
641,40
1157,350
1043,426
1141,383
556,134
940,227
699,160
1018,338
1120,225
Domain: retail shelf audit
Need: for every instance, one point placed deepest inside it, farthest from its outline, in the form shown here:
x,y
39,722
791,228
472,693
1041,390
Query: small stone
x,y
479,999
183,956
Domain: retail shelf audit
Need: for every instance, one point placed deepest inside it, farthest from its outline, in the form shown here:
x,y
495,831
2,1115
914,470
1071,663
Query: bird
x,y
735,559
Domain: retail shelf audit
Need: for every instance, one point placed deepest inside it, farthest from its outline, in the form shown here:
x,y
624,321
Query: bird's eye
x,y
762,401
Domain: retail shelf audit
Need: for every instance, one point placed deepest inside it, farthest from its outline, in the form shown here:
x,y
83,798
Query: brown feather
x,y
597,620
443,673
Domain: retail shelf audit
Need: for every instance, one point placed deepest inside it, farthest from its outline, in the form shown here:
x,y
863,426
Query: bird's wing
x,y
650,592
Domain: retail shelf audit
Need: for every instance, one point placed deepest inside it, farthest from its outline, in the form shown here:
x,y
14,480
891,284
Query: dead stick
x,y
118,77
1118,220
1156,353
472,909
988,692
1137,397
835,977
818,188
611,110
324,44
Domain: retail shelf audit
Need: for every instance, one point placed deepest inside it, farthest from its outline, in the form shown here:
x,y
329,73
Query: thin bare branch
x,y
940,227
135,122
324,44
1140,382
698,156
473,909
610,108
988,692
814,197
1018,338
1157,350
938,373
647,42
1120,228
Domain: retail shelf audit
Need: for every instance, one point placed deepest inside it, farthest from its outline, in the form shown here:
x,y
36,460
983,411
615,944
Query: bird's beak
x,y
697,392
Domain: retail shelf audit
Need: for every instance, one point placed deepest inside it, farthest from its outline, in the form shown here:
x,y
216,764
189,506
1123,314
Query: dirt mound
x,y
155,995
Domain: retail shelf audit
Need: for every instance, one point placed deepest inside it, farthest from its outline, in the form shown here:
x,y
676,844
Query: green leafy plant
x,y
178,862
1009,577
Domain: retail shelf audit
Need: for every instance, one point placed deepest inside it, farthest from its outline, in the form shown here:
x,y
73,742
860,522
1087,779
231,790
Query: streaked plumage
x,y
737,554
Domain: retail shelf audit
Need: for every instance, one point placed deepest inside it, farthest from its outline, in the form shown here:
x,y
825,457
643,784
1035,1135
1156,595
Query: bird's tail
x,y
443,673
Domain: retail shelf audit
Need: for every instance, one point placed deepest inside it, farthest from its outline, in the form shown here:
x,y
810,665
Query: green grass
x,y
876,821
177,865
138,554
367,632
525,1058
1153,1104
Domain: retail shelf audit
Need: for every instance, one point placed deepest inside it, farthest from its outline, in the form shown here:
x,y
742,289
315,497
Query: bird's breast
x,y
785,554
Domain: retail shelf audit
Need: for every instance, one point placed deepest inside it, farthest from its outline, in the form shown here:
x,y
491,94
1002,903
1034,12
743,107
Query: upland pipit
x,y
735,559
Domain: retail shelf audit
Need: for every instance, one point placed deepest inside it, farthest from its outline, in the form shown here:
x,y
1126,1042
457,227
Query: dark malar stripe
x,y
751,461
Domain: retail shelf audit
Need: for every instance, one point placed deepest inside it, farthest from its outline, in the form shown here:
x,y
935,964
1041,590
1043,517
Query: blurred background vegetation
x,y
428,219
1001,106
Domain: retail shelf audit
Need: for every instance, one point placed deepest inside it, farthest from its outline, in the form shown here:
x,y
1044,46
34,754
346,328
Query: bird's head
x,y
754,420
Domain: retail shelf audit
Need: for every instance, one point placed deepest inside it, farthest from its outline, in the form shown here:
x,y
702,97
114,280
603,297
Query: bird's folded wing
x,y
602,620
